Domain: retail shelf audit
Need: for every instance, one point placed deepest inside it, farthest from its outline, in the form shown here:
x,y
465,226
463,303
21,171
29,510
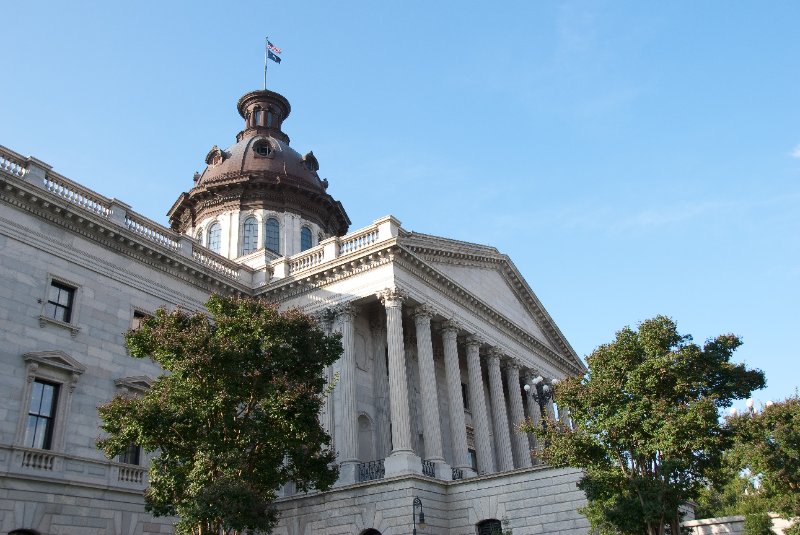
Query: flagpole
x,y
266,41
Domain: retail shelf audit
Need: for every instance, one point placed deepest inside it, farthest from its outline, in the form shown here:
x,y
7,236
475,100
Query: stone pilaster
x,y
519,442
458,427
402,460
477,395
431,425
348,445
505,459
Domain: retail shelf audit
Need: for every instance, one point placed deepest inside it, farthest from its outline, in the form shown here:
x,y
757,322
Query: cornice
x,y
109,235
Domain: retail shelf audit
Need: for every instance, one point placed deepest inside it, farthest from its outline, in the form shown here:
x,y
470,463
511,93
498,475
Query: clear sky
x,y
632,158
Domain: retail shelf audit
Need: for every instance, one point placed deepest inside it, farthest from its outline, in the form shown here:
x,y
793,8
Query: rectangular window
x,y
138,318
59,302
41,415
473,459
465,395
131,455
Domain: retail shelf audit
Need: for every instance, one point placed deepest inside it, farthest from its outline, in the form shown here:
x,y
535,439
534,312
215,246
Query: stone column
x,y
325,320
458,427
402,460
519,441
535,414
431,425
382,420
477,396
505,459
348,446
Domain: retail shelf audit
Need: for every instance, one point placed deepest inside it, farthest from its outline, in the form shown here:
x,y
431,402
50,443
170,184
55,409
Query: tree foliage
x,y
234,417
767,448
646,424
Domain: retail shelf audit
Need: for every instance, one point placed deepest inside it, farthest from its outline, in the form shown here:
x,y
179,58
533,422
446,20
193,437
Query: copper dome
x,y
260,170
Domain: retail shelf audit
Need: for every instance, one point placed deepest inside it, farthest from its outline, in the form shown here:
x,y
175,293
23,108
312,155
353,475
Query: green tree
x,y
767,447
646,424
234,417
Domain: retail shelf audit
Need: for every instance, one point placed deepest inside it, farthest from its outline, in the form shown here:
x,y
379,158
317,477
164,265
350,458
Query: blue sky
x,y
633,158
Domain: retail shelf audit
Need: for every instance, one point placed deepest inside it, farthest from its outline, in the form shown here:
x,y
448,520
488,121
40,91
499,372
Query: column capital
x,y
391,297
496,353
345,310
450,328
474,340
514,362
423,313
324,318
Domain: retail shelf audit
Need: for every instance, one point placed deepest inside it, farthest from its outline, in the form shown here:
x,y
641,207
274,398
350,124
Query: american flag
x,y
274,48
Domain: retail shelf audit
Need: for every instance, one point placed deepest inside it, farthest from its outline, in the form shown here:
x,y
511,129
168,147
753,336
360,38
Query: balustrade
x,y
77,195
131,474
358,240
458,473
11,163
371,470
428,468
152,231
38,460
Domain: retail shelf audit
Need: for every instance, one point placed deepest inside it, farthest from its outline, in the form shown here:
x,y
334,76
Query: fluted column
x,y
431,427
325,320
458,427
402,459
519,442
535,414
477,396
505,459
382,420
348,447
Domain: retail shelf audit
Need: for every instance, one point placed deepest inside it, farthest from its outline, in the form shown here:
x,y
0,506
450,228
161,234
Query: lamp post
x,y
542,392
417,503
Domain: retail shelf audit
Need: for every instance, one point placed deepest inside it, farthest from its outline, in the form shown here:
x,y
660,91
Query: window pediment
x,y
215,156
139,384
55,360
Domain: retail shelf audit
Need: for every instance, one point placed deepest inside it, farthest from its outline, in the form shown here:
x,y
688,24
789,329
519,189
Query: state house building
x,y
440,339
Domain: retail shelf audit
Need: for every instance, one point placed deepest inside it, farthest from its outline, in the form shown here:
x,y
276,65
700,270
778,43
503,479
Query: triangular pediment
x,y
492,278
140,383
55,359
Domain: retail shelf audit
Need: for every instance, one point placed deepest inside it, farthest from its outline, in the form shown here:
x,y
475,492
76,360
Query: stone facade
x,y
439,338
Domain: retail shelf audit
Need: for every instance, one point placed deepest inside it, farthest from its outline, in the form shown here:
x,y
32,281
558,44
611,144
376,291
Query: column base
x,y
348,473
400,463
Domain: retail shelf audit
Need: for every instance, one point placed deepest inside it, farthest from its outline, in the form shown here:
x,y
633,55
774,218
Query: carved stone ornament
x,y
423,313
391,297
215,156
496,353
473,340
450,326
139,384
346,310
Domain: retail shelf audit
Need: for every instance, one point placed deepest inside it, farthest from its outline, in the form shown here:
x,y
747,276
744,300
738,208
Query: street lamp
x,y
542,392
417,503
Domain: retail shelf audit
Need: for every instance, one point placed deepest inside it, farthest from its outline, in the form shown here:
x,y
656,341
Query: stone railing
x,y
38,460
306,259
11,162
76,194
29,462
358,240
371,470
381,230
131,474
216,262
457,473
151,230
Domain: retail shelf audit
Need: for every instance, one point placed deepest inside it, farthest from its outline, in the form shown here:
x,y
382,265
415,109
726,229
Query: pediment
x,y
492,278
55,359
139,383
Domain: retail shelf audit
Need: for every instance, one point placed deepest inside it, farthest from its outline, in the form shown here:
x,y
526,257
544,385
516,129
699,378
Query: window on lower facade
x,y
305,238
465,395
138,318
490,527
59,302
131,455
473,459
41,415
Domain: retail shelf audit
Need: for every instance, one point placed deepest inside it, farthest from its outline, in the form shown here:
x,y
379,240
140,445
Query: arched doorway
x,y
491,526
371,532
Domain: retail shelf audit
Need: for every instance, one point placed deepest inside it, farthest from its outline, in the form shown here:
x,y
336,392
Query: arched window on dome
x,y
199,236
269,118
272,236
305,238
257,117
215,237
249,235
